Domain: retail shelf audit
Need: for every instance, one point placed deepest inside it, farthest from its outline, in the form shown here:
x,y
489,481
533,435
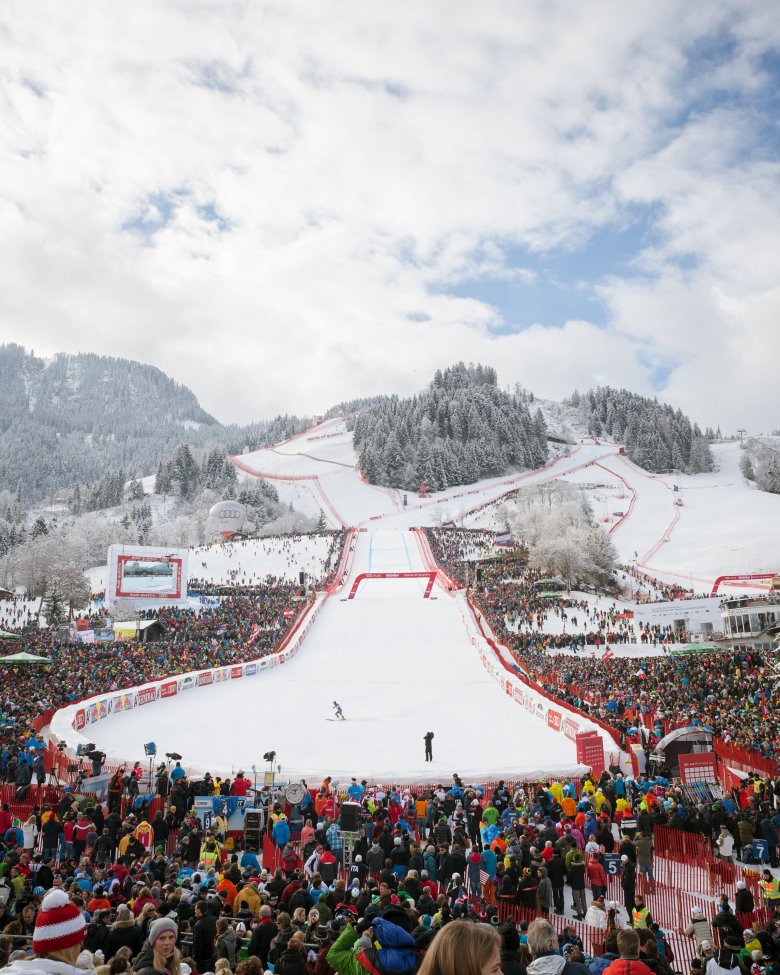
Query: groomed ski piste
x,y
400,664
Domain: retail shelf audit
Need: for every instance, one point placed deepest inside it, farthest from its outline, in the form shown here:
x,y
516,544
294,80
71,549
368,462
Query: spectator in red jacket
x,y
628,963
240,785
598,878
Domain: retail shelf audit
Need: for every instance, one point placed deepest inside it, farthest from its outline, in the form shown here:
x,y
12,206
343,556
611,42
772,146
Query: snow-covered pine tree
x,y
462,428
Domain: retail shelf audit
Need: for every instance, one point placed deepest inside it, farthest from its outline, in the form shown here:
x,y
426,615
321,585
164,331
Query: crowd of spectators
x,y
732,692
433,881
241,622
245,624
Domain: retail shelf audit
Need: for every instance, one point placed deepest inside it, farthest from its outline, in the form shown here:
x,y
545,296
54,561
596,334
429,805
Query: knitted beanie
x,y
160,926
59,924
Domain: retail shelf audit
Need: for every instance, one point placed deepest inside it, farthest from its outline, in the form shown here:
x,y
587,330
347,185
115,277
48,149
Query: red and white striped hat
x,y
59,924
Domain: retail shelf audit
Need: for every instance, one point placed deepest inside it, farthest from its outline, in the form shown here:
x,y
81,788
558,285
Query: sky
x,y
286,205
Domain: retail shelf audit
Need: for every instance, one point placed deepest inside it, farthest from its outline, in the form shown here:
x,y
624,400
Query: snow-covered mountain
x,y
70,419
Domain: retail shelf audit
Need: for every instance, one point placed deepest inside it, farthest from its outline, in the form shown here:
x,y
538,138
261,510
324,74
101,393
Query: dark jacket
x,y
97,937
556,871
744,902
203,935
301,898
628,876
577,876
144,963
122,934
262,936
375,858
511,963
291,962
226,946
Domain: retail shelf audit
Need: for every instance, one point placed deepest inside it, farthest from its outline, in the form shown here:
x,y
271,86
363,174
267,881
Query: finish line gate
x,y
430,576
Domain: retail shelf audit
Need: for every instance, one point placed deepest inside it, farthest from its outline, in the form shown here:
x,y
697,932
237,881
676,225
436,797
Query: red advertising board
x,y
569,728
169,689
206,678
145,696
590,751
80,720
698,768
236,672
554,720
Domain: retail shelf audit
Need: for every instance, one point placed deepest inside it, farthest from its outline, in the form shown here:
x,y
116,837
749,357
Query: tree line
x,y
657,437
461,429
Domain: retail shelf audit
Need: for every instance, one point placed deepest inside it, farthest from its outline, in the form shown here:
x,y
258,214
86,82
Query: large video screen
x,y
145,573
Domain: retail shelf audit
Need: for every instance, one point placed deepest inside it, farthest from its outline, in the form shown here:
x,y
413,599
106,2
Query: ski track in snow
x,y
400,664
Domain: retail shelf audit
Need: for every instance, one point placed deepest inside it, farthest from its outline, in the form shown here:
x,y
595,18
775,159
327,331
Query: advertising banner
x,y
590,751
699,768
122,702
145,696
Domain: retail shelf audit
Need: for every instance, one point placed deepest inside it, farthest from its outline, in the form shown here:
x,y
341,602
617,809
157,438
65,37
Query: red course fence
x,y
745,759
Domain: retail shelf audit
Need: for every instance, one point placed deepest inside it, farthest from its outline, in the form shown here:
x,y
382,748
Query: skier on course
x,y
339,712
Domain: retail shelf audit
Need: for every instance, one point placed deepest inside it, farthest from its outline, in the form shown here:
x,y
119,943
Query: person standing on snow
x,y
428,739
339,712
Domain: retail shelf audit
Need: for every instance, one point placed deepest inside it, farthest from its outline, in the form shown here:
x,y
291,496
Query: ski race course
x,y
396,662
401,664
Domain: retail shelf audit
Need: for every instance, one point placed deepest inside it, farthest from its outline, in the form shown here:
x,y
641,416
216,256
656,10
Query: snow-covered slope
x,y
722,526
398,664
401,665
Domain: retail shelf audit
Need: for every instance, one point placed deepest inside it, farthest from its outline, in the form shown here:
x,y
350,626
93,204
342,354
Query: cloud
x,y
279,204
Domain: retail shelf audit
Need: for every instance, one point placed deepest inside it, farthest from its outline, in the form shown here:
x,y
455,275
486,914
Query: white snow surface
x,y
401,665
398,664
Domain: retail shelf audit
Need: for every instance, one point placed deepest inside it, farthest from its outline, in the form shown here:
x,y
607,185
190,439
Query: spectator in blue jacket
x,y
281,832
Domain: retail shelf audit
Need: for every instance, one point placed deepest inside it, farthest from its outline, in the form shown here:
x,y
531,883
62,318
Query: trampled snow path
x,y
399,665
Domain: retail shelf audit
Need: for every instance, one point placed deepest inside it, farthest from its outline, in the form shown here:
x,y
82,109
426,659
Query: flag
x,y
608,654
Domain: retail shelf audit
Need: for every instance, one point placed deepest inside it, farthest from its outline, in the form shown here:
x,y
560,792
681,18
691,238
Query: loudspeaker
x,y
479,575
301,578
349,818
253,819
253,825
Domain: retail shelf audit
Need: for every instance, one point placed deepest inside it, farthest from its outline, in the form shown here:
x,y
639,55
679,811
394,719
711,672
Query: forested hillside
x,y
462,428
657,437
70,420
